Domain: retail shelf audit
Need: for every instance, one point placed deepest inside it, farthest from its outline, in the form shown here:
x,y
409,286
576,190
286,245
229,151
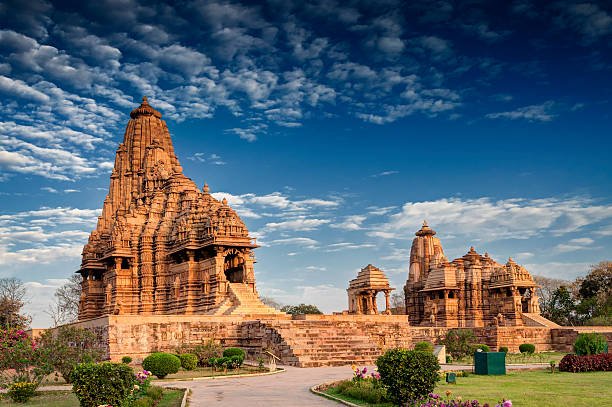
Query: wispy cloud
x,y
541,113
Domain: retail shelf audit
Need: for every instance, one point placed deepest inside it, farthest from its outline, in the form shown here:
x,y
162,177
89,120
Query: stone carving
x,y
471,291
362,291
160,239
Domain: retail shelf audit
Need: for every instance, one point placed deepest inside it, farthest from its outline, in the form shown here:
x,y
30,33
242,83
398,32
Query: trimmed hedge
x,y
590,344
229,352
189,361
503,349
589,363
482,347
408,375
102,384
527,348
126,360
161,364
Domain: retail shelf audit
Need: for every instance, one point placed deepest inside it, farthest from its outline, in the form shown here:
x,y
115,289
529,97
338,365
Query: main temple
x,y
471,291
161,245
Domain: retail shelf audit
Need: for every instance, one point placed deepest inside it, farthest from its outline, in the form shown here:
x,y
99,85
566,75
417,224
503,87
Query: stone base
x,y
306,340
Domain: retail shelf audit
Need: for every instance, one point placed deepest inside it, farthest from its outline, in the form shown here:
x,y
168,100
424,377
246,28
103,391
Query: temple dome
x,y
145,109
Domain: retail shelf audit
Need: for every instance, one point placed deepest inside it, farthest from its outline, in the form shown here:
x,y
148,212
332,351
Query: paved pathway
x,y
289,388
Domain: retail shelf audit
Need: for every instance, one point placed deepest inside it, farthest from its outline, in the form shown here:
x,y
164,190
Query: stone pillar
x,y
387,305
191,282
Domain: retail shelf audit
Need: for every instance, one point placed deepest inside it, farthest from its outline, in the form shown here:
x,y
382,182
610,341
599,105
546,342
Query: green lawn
x,y
171,398
532,388
512,358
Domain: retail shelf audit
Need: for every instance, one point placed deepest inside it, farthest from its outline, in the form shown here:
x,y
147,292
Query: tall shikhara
x,y
161,245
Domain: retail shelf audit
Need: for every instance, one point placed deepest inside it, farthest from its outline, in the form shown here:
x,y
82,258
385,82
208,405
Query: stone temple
x,y
170,265
471,291
163,246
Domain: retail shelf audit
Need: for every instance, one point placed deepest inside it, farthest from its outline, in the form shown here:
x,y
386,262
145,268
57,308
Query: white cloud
x,y
542,113
353,222
297,224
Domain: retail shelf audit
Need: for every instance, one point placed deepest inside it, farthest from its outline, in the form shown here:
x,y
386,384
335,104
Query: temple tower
x,y
162,245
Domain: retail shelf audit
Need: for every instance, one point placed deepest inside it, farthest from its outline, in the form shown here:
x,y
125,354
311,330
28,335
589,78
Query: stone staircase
x,y
530,319
311,343
243,301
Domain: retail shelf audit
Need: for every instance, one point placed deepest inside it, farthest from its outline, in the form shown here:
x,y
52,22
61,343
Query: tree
x,y
65,309
12,299
398,303
271,302
562,307
595,295
301,309
547,286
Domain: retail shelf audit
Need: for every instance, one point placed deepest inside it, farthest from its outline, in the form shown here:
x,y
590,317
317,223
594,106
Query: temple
x,y
471,291
161,245
362,291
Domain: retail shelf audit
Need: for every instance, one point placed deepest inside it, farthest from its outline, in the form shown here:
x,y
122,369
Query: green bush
x,y
527,348
126,360
103,383
449,359
68,346
189,361
459,342
503,349
364,390
207,351
161,364
21,392
229,352
156,393
408,375
482,347
424,347
590,344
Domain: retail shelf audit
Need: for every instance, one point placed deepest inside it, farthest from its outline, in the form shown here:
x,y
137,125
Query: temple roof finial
x,y
206,189
145,100
425,223
145,109
224,201
425,230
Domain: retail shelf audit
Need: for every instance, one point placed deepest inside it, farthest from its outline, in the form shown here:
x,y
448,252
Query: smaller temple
x,y
362,291
471,291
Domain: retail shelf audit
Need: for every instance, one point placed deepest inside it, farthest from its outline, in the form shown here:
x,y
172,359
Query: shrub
x,y
588,363
21,359
449,359
590,344
503,349
482,347
126,360
408,375
459,342
527,348
206,351
20,392
161,364
365,390
235,361
68,346
189,361
424,347
229,352
145,401
156,393
103,383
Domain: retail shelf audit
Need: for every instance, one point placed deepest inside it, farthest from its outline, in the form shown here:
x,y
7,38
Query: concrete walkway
x,y
290,388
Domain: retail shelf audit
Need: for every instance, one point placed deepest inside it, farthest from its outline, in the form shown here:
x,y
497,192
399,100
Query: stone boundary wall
x,y
312,340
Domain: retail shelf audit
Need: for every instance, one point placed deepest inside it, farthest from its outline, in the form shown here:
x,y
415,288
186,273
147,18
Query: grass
x,y
171,398
513,358
529,388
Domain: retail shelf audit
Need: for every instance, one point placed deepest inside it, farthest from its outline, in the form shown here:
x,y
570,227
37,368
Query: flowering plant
x,y
21,359
143,382
435,400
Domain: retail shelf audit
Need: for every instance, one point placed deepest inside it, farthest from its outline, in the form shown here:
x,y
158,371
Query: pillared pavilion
x,y
162,245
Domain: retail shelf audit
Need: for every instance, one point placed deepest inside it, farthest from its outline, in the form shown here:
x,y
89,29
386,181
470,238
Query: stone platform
x,y
307,340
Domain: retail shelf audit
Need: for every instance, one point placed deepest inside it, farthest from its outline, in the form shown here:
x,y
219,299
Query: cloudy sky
x,y
334,128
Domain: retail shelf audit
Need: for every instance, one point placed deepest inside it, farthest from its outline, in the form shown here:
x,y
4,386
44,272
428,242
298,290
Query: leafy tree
x,y
12,300
65,309
546,287
301,309
398,303
460,342
21,359
562,307
68,346
595,294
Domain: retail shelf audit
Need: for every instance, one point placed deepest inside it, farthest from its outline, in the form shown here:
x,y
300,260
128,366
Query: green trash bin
x,y
490,363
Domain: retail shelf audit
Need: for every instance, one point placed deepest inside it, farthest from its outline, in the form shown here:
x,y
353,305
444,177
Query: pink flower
x,y
507,403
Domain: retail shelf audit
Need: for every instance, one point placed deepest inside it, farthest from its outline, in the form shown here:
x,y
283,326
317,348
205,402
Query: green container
x,y
490,363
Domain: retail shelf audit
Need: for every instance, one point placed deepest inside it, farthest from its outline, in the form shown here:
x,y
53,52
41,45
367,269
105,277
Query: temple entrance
x,y
233,267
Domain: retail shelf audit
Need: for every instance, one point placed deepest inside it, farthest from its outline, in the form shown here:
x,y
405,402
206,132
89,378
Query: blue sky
x,y
334,128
